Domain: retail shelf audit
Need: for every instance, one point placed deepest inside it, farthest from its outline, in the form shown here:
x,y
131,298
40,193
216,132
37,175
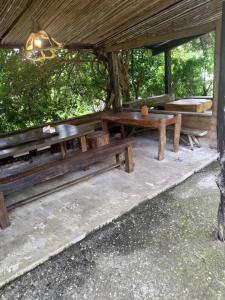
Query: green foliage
x,y
193,66
146,73
76,83
192,70
35,93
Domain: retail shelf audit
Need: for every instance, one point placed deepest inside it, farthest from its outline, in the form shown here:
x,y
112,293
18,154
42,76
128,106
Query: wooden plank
x,y
194,131
150,102
66,133
23,138
190,105
54,169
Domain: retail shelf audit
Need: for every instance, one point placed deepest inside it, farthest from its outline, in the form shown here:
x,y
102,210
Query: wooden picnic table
x,y
155,121
34,139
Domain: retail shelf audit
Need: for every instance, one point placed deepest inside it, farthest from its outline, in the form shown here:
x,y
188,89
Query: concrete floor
x,y
44,228
165,249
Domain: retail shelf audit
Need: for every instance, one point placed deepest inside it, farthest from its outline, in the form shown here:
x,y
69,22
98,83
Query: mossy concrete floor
x,y
164,249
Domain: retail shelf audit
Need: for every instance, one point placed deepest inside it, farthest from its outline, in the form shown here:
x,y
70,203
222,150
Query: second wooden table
x,y
155,121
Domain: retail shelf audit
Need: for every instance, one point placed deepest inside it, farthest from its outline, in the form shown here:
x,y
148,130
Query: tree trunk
x,y
123,75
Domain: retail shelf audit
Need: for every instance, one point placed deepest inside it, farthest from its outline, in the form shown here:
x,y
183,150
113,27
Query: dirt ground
x,y
164,249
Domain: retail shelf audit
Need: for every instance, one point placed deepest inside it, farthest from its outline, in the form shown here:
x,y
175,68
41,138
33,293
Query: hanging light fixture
x,y
41,46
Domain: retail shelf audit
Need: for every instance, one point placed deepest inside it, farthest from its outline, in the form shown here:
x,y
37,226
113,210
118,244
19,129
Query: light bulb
x,y
38,42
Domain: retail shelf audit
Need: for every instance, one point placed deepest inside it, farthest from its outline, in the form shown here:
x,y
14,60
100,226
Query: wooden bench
x,y
51,170
192,136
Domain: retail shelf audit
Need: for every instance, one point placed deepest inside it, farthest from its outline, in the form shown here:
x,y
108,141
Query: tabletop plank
x,y
23,138
136,118
64,133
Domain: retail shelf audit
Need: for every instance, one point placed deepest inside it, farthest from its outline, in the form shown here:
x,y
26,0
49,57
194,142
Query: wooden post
x,y
168,84
4,218
129,162
83,144
213,127
162,139
177,128
113,69
221,131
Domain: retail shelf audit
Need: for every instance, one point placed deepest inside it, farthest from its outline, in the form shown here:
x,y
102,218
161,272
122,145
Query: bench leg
x,y
4,217
63,149
83,143
177,129
122,131
190,142
129,163
196,141
162,139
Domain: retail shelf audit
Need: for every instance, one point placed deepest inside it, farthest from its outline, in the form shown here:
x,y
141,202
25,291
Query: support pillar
x,y
113,69
168,82
213,127
221,131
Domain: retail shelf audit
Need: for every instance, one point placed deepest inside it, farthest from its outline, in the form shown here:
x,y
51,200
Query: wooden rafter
x,y
154,38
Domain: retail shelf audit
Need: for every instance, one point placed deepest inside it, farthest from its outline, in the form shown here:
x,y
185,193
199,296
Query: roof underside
x,y
109,25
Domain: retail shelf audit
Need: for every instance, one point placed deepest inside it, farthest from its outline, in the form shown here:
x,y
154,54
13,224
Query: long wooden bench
x,y
51,170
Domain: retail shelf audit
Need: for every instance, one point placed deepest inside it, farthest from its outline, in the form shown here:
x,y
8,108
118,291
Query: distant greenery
x,y
76,82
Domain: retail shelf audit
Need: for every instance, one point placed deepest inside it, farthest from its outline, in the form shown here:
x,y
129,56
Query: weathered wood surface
x,y
65,133
136,119
93,120
23,138
48,171
97,139
150,102
154,121
4,218
192,105
194,131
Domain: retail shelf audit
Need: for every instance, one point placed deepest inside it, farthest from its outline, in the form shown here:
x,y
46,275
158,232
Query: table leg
x,y
63,149
83,143
162,139
177,127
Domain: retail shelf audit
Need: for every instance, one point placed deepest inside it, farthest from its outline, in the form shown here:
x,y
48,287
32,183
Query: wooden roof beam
x,y
155,38
161,47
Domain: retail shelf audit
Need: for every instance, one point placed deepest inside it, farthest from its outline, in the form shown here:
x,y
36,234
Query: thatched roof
x,y
107,24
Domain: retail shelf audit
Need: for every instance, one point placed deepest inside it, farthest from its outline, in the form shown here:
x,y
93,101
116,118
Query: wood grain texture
x,y
192,105
154,121
57,168
4,218
65,133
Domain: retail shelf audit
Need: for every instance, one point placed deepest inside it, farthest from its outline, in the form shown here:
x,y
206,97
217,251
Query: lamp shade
x,y
40,46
